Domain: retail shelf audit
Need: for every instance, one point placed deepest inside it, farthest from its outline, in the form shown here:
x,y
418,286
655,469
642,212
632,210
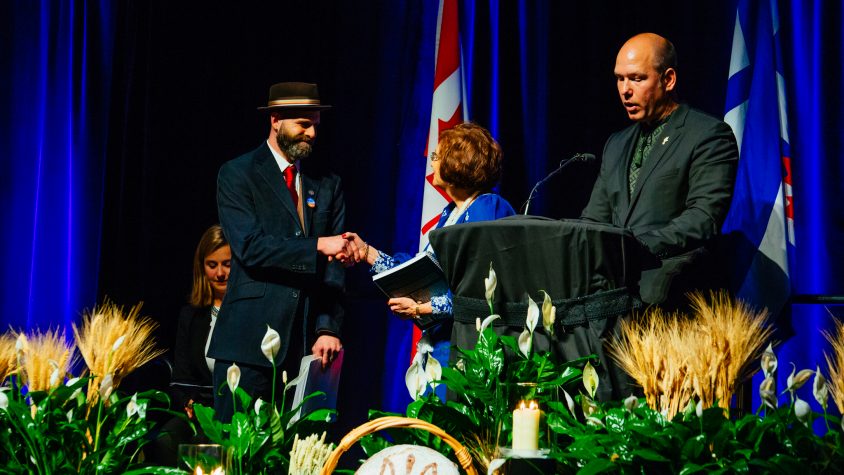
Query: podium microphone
x,y
578,157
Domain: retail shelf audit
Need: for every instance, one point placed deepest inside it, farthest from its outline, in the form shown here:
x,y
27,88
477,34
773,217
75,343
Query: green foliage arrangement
x,y
631,436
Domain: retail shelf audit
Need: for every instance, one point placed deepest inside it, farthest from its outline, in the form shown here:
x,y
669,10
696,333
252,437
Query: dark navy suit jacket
x,y
276,271
681,197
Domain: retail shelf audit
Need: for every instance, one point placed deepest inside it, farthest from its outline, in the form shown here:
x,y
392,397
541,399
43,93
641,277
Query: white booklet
x,y
313,378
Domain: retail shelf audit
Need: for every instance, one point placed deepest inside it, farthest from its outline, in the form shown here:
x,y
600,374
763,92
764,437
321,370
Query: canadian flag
x,y
446,111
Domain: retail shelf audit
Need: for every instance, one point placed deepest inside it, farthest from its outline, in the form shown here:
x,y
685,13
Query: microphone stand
x,y
579,157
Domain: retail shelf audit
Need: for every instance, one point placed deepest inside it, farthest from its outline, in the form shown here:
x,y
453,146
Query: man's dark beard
x,y
295,147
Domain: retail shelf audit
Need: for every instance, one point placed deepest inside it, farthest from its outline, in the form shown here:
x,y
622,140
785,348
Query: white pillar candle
x,y
526,426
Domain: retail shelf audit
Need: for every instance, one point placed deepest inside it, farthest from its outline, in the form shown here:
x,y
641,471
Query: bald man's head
x,y
646,75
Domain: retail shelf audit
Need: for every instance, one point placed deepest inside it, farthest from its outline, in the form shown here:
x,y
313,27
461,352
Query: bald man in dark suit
x,y
668,178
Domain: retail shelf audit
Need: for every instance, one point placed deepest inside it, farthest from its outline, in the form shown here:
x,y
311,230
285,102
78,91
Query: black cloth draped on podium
x,y
590,271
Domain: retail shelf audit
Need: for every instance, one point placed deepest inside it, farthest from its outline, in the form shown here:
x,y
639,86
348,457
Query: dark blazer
x,y
276,271
681,198
191,376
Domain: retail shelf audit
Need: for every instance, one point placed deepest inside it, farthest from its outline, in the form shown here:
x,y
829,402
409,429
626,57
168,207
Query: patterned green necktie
x,y
644,145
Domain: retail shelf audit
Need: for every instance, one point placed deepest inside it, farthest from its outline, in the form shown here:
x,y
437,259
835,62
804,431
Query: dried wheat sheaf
x,y
703,356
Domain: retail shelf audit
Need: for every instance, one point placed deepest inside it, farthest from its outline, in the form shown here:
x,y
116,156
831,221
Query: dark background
x,y
116,116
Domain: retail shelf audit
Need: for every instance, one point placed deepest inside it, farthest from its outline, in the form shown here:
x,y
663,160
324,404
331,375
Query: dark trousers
x,y
257,381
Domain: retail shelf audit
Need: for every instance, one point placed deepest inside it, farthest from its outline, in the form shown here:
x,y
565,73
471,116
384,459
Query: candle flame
x,y
215,471
528,405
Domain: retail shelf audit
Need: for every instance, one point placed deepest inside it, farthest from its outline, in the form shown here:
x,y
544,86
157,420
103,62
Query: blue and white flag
x,y
762,213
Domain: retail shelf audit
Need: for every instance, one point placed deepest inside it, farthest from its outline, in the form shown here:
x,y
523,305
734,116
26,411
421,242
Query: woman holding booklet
x,y
466,165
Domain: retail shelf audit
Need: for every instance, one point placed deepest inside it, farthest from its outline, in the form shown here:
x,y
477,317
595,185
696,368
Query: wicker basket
x,y
382,423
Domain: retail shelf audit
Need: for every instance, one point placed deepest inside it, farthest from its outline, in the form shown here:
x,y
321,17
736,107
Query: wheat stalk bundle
x,y
8,356
675,358
835,363
46,359
731,337
653,351
114,342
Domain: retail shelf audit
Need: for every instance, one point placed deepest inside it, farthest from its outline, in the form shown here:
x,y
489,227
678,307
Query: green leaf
x,y
693,448
649,455
373,443
241,434
212,428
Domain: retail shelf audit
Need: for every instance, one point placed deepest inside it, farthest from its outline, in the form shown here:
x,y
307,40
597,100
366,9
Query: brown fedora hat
x,y
294,95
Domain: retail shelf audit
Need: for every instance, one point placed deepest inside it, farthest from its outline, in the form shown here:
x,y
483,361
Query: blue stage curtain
x,y
406,91
55,83
813,45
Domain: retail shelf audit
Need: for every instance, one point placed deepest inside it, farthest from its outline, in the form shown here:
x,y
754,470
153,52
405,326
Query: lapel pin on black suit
x,y
665,140
310,201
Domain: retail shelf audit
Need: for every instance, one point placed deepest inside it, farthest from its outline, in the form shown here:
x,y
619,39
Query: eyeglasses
x,y
434,156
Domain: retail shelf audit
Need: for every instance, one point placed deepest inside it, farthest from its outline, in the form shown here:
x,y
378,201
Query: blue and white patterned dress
x,y
485,207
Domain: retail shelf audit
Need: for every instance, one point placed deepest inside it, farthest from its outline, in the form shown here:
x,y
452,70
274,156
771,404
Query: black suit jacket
x,y
276,272
191,376
681,198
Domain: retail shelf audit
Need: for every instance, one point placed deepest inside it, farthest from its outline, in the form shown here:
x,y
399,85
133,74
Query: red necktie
x,y
290,179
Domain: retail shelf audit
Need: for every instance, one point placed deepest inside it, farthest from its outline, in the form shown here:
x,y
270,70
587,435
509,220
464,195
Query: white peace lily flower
x,y
284,377
132,407
258,403
69,416
769,361
434,370
802,411
796,381
525,342
117,343
54,378
233,377
71,382
549,314
270,344
106,386
526,338
489,285
569,402
590,379
495,465
820,388
478,324
631,403
4,401
699,409
415,378
55,374
532,315
767,393
487,322
588,405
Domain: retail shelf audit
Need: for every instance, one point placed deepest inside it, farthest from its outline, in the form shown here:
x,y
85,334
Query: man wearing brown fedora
x,y
284,221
